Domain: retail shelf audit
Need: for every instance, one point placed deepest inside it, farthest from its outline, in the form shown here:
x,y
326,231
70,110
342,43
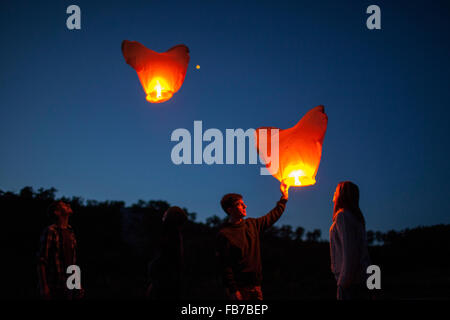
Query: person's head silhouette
x,y
346,197
59,209
174,217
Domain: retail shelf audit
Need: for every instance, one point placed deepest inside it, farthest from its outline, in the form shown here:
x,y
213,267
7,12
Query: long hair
x,y
347,198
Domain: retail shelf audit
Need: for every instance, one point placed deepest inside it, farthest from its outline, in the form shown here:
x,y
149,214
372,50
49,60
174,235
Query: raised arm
x,y
270,218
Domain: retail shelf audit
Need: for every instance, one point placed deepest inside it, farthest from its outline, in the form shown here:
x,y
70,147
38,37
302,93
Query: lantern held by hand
x,y
300,149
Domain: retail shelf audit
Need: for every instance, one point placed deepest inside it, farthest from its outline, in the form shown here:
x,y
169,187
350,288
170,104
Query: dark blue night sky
x,y
73,114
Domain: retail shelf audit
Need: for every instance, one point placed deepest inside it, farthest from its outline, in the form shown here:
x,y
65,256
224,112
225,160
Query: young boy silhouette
x,y
238,246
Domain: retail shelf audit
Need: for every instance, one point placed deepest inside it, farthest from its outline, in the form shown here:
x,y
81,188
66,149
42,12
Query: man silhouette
x,y
238,246
57,251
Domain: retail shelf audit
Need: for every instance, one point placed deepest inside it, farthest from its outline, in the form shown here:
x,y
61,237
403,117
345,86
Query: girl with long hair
x,y
348,243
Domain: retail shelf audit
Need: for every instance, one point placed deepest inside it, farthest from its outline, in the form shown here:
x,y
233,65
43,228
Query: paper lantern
x,y
161,74
300,149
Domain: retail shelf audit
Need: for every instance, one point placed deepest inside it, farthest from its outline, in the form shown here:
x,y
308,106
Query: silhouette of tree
x,y
370,237
191,215
76,202
271,232
390,237
299,232
46,194
158,206
285,232
140,204
313,236
214,221
27,193
91,203
379,236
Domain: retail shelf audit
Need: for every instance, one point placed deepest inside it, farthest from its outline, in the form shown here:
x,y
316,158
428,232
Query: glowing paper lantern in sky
x,y
300,148
161,74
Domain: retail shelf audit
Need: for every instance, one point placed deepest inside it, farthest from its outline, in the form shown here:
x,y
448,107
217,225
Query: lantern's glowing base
x,y
298,178
158,92
153,97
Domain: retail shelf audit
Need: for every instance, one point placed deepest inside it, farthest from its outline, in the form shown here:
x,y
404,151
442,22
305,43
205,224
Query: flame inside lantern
x,y
158,91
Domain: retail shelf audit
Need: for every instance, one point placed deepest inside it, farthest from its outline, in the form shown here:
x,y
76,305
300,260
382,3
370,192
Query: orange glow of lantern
x,y
299,149
161,74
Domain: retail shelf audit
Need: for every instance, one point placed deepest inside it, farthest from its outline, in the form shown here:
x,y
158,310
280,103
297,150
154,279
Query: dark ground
x,y
117,243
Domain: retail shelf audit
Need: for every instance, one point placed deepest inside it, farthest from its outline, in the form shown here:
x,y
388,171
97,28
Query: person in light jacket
x,y
348,244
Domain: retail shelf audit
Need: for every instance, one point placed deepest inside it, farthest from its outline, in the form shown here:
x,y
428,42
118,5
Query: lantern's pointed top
x,y
313,114
179,47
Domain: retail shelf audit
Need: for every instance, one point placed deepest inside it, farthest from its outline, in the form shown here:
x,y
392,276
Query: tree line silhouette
x,y
117,242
